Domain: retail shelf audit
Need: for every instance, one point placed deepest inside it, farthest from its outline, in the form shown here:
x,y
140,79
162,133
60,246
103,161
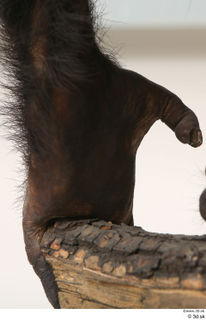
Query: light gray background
x,y
164,40
153,13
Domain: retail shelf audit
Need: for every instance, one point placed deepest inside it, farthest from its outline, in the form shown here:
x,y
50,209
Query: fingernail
x,y
196,138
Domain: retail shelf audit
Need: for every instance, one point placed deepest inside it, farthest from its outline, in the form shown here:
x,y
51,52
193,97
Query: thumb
x,y
181,120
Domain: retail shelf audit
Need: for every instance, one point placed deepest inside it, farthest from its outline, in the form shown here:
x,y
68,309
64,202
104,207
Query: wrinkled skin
x,y
94,129
93,174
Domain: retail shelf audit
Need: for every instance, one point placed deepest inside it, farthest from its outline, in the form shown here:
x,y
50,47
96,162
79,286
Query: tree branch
x,y
101,265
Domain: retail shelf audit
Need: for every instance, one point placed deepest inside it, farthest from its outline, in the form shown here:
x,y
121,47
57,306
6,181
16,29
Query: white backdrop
x,y
153,13
169,176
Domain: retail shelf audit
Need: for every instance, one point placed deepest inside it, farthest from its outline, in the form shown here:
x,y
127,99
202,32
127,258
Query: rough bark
x,y
101,265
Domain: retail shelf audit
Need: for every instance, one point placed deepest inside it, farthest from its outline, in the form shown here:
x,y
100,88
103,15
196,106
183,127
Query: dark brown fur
x,y
79,117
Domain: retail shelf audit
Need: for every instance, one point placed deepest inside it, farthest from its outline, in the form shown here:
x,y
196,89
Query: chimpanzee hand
x,y
89,172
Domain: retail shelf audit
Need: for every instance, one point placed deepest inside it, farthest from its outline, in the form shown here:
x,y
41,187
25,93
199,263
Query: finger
x,y
203,204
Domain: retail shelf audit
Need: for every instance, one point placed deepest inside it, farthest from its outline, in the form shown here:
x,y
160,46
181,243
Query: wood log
x,y
101,265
